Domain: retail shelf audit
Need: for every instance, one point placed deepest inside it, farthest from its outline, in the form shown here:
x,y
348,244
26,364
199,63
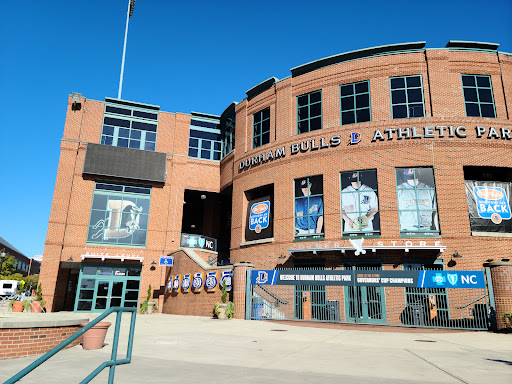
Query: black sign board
x,y
198,241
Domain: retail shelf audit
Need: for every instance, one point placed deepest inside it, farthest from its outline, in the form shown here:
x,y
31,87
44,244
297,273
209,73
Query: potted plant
x,y
148,306
507,316
26,304
225,310
37,305
17,305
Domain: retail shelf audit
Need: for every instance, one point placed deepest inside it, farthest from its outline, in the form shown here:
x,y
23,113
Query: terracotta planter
x,y
36,306
17,306
94,337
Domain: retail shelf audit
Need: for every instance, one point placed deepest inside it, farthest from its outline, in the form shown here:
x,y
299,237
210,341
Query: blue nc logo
x,y
262,277
452,279
191,241
355,137
201,242
439,279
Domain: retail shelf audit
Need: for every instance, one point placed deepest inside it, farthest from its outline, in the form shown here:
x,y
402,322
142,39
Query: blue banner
x,y
259,218
451,279
264,277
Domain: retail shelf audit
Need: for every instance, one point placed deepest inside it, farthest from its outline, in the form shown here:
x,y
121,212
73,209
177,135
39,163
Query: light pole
x,y
2,256
129,13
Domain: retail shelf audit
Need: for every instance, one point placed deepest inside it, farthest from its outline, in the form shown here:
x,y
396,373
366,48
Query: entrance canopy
x,y
362,246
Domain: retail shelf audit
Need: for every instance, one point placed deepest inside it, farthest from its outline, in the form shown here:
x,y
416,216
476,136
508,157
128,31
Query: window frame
x,y
478,103
354,96
115,136
309,118
260,123
122,194
406,96
200,141
228,135
309,236
366,234
418,233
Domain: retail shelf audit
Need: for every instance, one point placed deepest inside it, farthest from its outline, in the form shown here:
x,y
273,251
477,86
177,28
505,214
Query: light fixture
x,y
203,197
456,255
70,258
505,259
489,260
282,256
193,226
153,262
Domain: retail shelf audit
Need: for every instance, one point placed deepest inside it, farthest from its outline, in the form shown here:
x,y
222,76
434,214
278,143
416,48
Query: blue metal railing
x,y
114,361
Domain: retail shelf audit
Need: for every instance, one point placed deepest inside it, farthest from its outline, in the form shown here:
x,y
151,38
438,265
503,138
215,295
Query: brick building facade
x,y
378,117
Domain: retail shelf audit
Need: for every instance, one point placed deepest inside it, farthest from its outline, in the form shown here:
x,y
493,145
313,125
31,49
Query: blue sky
x,y
183,56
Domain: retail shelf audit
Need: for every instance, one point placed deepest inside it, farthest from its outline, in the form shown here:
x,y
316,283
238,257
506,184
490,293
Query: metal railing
x,y
114,361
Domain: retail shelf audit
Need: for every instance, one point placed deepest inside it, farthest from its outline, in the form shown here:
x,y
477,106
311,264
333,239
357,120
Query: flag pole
x,y
129,13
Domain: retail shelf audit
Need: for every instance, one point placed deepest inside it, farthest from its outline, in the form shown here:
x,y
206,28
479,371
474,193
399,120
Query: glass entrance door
x,y
101,287
365,304
109,293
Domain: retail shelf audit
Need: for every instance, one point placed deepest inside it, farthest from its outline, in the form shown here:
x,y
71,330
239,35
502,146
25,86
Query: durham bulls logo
x,y
262,277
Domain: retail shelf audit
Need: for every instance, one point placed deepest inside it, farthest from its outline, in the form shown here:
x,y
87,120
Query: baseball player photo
x,y
359,203
417,205
309,206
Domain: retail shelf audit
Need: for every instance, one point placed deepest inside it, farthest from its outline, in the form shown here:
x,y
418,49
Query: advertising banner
x,y
198,241
369,278
489,206
417,205
309,207
259,223
360,203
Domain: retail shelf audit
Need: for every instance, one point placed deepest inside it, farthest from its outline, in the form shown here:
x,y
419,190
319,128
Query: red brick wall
x,y
444,105
19,342
501,274
191,303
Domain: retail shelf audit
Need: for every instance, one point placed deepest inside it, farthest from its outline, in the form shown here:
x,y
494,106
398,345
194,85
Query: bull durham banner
x,y
413,278
489,206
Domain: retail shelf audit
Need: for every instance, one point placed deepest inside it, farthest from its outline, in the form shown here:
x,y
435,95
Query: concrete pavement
x,y
188,349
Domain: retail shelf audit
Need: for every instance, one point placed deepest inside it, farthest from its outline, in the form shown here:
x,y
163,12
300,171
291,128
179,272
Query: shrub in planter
x,y
225,310
38,304
148,306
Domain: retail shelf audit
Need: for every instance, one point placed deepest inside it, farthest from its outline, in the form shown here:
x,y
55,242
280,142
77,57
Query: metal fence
x,y
456,308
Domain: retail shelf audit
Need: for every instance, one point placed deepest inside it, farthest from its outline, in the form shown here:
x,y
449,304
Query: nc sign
x,y
454,279
259,216
492,203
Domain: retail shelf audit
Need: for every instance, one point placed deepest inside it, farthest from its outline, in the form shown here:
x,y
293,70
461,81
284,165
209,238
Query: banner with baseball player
x,y
489,205
417,203
360,203
259,223
309,207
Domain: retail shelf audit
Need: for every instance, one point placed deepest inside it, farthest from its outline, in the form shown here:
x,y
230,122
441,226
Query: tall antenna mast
x,y
129,13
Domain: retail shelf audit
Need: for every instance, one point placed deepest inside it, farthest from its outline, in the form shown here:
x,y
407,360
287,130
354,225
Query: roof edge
x,y
358,54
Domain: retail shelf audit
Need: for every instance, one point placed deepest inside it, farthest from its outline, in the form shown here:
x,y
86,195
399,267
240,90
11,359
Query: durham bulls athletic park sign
x,y
389,134
413,278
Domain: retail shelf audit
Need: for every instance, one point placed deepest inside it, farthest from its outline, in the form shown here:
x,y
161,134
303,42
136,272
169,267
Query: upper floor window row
x,y
228,134
129,126
205,139
478,97
261,128
309,112
407,97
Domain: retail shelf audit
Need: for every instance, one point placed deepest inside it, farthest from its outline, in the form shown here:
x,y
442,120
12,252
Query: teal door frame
x,y
367,301
111,279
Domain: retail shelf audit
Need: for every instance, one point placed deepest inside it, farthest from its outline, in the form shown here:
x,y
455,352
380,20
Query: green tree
x,y
7,265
